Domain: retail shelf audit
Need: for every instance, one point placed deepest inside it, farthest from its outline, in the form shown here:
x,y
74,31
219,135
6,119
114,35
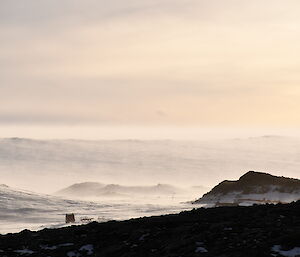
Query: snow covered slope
x,y
20,209
253,187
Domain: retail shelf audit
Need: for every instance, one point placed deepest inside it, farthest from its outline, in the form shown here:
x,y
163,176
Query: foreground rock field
x,y
256,231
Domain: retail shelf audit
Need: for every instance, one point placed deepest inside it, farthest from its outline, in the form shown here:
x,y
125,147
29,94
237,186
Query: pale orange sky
x,y
192,63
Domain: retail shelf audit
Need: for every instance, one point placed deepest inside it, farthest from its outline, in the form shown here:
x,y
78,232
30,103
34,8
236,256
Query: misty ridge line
x,y
28,163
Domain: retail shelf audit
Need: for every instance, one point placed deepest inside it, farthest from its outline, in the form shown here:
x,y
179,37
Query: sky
x,y
158,63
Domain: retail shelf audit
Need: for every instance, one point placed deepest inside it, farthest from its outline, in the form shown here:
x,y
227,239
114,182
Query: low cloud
x,y
201,62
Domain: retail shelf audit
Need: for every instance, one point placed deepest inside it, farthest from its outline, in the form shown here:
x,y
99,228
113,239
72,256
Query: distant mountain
x,y
82,189
253,187
49,165
91,189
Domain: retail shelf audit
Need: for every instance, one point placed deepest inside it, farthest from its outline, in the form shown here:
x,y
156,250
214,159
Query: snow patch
x,y
65,244
142,238
46,247
24,251
201,249
89,248
290,253
73,254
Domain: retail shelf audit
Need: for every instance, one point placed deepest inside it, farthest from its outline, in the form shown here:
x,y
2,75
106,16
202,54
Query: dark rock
x,y
252,182
223,231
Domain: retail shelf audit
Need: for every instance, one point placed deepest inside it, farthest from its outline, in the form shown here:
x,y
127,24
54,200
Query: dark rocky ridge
x,y
254,183
215,232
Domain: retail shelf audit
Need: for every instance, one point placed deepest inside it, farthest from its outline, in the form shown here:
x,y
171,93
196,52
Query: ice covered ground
x,y
20,209
250,199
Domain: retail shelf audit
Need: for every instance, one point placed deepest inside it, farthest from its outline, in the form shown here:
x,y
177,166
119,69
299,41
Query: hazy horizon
x,y
49,165
82,132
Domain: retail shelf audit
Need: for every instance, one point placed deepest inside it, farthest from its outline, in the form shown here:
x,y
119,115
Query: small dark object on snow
x,y
86,219
70,218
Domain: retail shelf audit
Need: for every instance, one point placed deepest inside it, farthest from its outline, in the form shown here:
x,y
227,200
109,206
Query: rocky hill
x,y
261,230
253,187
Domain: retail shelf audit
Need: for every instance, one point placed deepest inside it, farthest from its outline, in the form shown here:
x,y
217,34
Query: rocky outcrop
x,y
253,187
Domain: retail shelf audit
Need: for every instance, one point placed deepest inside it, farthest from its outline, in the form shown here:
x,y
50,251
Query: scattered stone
x,y
200,232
